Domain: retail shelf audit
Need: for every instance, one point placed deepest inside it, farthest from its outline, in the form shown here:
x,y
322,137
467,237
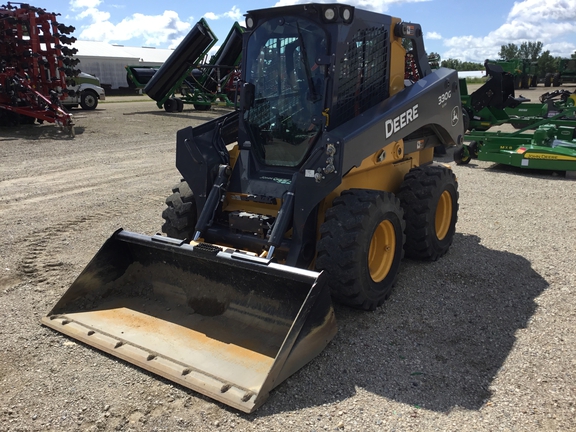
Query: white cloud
x,y
94,14
540,11
551,22
433,35
233,14
373,5
81,4
150,30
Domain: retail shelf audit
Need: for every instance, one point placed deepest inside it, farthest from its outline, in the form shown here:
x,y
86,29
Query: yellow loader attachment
x,y
224,323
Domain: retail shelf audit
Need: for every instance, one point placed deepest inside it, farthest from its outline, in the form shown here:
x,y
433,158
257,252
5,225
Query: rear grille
x,y
363,74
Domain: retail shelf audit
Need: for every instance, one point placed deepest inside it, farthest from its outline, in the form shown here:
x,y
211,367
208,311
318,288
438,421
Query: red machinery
x,y
34,64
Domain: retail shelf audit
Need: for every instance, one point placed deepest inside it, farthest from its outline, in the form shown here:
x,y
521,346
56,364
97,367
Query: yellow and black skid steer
x,y
311,191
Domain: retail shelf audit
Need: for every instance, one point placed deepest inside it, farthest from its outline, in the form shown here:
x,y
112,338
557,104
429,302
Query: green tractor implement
x,y
523,71
186,79
138,76
549,147
565,73
495,104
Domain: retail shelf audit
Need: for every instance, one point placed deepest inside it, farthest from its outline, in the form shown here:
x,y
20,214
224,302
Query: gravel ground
x,y
482,339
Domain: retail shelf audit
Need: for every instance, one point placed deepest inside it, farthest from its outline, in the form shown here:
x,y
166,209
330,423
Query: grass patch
x,y
474,80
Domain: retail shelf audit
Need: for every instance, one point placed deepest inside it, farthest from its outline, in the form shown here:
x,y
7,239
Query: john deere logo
x,y
455,115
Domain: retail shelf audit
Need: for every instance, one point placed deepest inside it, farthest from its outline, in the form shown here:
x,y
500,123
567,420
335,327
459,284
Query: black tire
x,y
473,149
361,274
179,105
465,120
525,82
171,105
198,107
88,100
534,81
461,156
548,80
180,216
429,197
556,80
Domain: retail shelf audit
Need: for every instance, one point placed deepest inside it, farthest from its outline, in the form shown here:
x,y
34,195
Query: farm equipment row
x,y
34,66
187,78
552,145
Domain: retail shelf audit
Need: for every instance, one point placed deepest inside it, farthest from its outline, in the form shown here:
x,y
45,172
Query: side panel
x,y
433,101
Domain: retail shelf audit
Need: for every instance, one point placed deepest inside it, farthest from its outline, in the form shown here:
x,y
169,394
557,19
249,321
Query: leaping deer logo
x,y
455,116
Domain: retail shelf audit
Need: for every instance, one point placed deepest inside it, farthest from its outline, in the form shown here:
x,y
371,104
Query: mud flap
x,y
225,324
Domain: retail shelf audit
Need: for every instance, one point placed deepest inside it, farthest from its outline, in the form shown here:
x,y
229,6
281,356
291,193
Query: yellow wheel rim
x,y
443,215
382,249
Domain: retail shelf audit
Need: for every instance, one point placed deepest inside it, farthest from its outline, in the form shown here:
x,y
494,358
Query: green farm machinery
x,y
546,135
566,72
549,147
186,74
523,71
495,104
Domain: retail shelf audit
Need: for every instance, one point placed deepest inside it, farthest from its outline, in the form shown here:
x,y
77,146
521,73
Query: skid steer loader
x,y
311,191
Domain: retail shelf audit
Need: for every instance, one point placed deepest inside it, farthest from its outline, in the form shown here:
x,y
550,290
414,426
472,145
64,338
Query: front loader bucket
x,y
228,325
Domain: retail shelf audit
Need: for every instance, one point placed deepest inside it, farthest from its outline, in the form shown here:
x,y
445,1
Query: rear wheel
x,y
429,197
548,80
361,246
88,100
180,216
556,80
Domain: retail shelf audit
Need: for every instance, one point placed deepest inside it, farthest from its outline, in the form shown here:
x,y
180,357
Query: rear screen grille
x,y
363,74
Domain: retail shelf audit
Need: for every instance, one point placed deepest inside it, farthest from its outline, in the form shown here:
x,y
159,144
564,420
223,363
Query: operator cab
x,y
284,116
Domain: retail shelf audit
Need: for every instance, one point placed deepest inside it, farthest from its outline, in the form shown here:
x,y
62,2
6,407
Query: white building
x,y
107,61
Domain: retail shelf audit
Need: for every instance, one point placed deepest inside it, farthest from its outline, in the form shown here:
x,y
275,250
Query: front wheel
x,y
429,197
88,100
361,246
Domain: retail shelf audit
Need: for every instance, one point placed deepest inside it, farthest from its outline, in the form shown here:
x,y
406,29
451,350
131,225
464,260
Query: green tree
x,y
451,64
530,50
509,51
547,63
573,55
461,66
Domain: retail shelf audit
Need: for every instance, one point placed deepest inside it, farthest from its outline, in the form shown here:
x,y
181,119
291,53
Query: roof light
x,y
346,14
329,14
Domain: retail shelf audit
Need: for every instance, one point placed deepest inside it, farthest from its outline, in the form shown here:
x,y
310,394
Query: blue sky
x,y
463,29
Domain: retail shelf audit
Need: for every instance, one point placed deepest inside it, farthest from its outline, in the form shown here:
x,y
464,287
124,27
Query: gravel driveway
x,y
482,339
